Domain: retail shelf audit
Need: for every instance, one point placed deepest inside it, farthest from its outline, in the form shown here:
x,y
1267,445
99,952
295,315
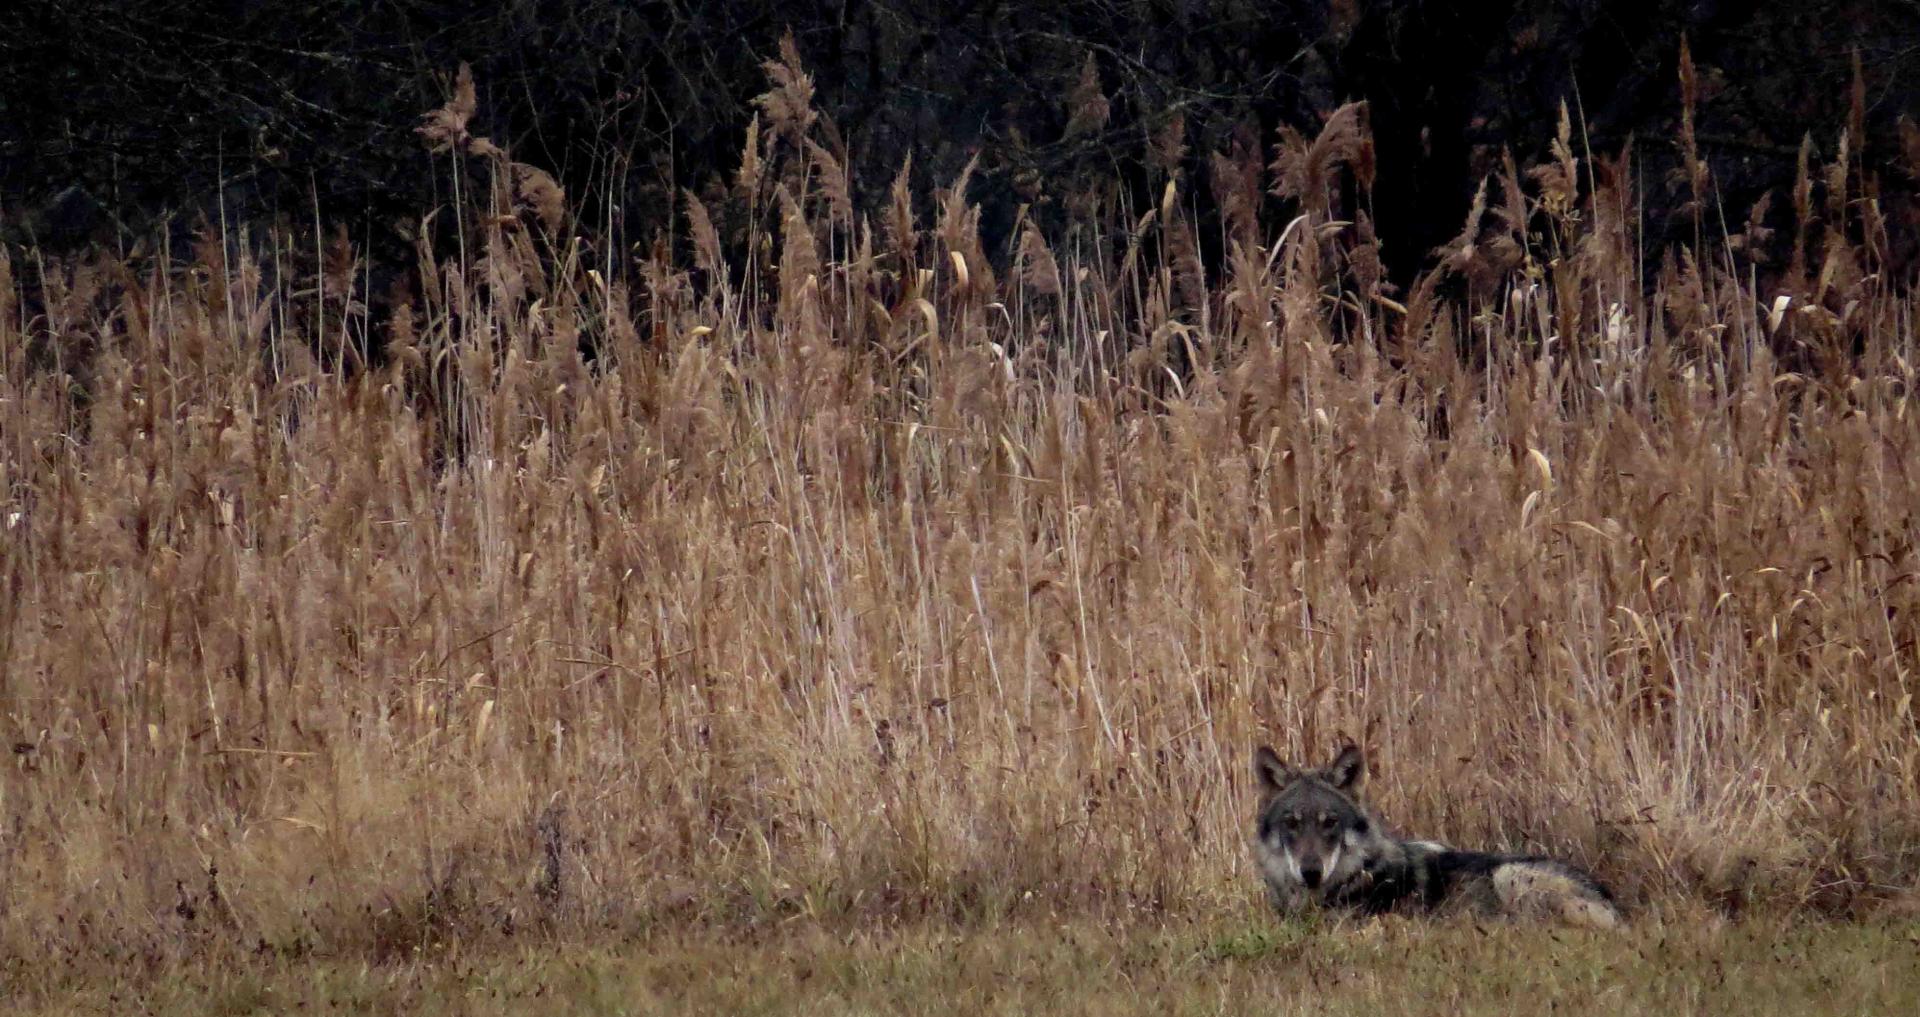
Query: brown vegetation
x,y
846,575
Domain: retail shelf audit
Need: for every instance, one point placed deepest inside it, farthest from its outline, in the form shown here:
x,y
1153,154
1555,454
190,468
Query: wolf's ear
x,y
1348,769
1273,773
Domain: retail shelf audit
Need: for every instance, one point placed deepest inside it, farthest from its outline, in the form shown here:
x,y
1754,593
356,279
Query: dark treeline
x,y
119,114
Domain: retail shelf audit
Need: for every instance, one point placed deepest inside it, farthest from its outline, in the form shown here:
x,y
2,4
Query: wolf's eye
x,y
1360,827
1291,822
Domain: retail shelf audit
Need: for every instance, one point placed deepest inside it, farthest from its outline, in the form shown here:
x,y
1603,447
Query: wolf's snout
x,y
1311,877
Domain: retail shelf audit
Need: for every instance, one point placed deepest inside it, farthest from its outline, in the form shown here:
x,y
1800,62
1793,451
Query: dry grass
x,y
849,579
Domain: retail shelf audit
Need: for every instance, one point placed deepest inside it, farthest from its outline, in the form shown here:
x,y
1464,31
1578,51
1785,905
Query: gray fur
x,y
1317,844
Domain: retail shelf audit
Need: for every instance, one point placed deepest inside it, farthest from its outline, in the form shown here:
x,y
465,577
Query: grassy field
x,y
1395,967
820,567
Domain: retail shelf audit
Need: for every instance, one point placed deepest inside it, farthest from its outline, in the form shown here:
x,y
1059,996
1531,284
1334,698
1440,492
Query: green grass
x,y
1393,967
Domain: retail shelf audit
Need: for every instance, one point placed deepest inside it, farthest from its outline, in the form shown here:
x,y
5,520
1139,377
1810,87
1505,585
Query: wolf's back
x,y
1523,886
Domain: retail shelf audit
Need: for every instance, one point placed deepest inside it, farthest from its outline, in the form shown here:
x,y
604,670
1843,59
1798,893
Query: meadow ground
x,y
1035,966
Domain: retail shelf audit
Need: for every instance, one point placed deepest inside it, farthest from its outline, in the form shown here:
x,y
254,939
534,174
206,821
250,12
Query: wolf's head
x,y
1315,837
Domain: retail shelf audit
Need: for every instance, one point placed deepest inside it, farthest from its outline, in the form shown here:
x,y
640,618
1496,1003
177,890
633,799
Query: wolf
x,y
1318,844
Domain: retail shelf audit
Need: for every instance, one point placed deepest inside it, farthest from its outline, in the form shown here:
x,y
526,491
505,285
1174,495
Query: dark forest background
x,y
120,115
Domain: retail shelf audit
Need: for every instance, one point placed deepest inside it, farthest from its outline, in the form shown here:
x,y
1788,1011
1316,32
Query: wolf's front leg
x,y
1289,900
